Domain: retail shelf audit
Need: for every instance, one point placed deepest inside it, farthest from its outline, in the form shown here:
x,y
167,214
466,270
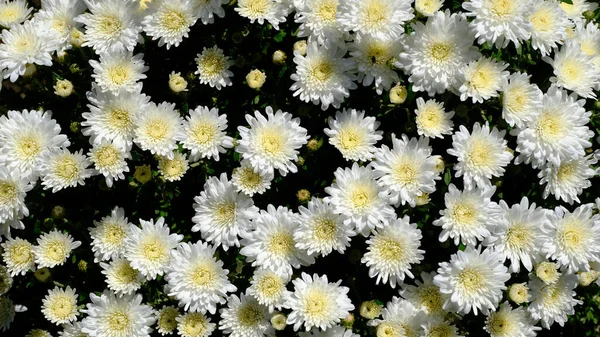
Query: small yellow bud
x,y
143,174
439,164
74,127
177,83
547,272
370,309
63,88
422,199
76,38
279,57
314,144
587,277
58,212
256,79
300,46
82,265
518,293
278,321
303,196
300,161
398,94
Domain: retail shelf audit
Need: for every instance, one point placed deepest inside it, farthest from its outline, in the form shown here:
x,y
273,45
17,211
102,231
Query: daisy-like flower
x,y
149,248
569,179
499,22
72,330
194,324
482,79
353,134
222,213
272,11
575,70
269,288
118,71
425,296
250,181
336,331
509,322
438,326
428,7
588,39
322,230
398,318
576,8
60,305
316,302
53,249
520,237
407,170
18,256
213,68
197,279
121,277
158,129
553,302
166,319
521,100
245,317
62,169
272,142
59,16
271,245
469,215
437,51
548,24
323,76
13,189
319,21
169,21
111,26
380,18
205,134
356,195
392,250
473,279
13,12
374,58
482,154
206,10
109,234
432,119
173,169
109,315
110,161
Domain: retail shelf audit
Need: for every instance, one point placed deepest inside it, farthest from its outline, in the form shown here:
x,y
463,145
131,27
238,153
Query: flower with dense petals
x,y
432,119
158,129
269,288
549,25
353,134
109,234
118,71
319,21
194,324
425,295
482,79
438,326
213,68
399,318
568,180
60,169
375,58
169,22
553,302
166,319
13,189
521,100
60,305
379,18
272,11
18,256
13,12
173,169
110,161
245,317
205,134
509,322
575,70
59,16
121,277
576,8
53,249
250,181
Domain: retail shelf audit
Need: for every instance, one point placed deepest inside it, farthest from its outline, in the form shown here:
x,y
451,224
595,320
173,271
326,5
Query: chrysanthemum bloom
x,y
375,58
173,169
576,8
392,250
72,330
250,181
398,318
59,18
588,38
519,293
428,7
547,272
407,170
111,26
481,154
166,319
13,12
109,234
38,333
509,322
520,237
110,161
316,302
356,195
272,141
118,71
482,79
499,22
568,180
108,315
245,317
438,326
323,76
473,279
208,9
436,52
353,134
575,70
272,11
271,245
256,79
558,133
61,169
63,88
121,277
380,18
222,213
554,302
149,248
53,249
13,189
320,22
205,134
432,119
335,331
269,288
196,278
213,68
158,129
6,280
60,305
18,256
521,100
177,83
169,21
549,24
194,324
425,296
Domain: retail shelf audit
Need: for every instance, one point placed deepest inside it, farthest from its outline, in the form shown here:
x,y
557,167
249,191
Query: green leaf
x,y
279,37
447,177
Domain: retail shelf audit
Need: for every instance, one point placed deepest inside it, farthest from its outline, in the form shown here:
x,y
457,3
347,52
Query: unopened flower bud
x,y
42,274
74,127
547,272
300,46
58,212
256,79
177,83
587,277
76,38
303,196
398,94
422,199
278,321
82,265
143,174
370,309
314,144
30,69
63,88
279,57
518,293
348,321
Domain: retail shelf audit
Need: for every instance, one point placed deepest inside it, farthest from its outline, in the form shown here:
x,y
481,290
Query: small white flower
x,y
381,18
205,134
375,58
60,305
250,181
18,256
245,317
53,249
194,324
166,319
158,129
319,21
575,70
509,322
213,68
272,11
521,100
425,296
121,277
173,169
61,169
399,317
118,71
14,12
353,134
269,288
109,234
170,21
553,302
549,25
432,119
569,179
482,79
110,161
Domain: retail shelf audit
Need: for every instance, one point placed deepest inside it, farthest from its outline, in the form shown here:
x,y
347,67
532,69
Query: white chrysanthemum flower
x,y
118,71
323,76
205,134
222,213
194,324
60,305
111,26
121,277
499,22
356,195
575,70
392,250
110,161
574,238
553,302
509,322
428,7
206,10
335,331
432,119
173,169
213,68
576,8
353,134
559,132
72,330
272,142
13,12
379,18
250,181
272,11
436,52
269,288
521,100
469,215
549,25
149,248
196,278
482,79
13,189
438,326
473,279
170,21
520,237
319,21
245,317
25,137
61,169
317,303
6,280
59,16
407,170
481,154
568,180
18,256
398,318
111,117
271,245
425,296
108,315
375,58
166,319
109,234
53,249
588,39
158,129
321,230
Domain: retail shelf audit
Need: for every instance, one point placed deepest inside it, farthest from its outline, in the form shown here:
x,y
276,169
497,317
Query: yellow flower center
x,y
125,274
388,249
500,325
430,118
250,315
225,213
350,138
325,229
257,7
375,13
211,64
107,156
327,10
9,14
566,172
502,7
515,99
547,272
571,235
270,286
281,244
118,320
550,127
67,169
154,250
470,280
518,237
57,251
118,75
377,53
389,329
8,192
441,331
440,52
203,276
24,45
157,130
483,78
174,21
322,71
114,234
193,324
542,20
110,26
404,173
21,254
480,154
271,141
249,178
316,303
62,307
166,319
572,71
204,133
60,26
430,298
120,119
28,147
464,214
